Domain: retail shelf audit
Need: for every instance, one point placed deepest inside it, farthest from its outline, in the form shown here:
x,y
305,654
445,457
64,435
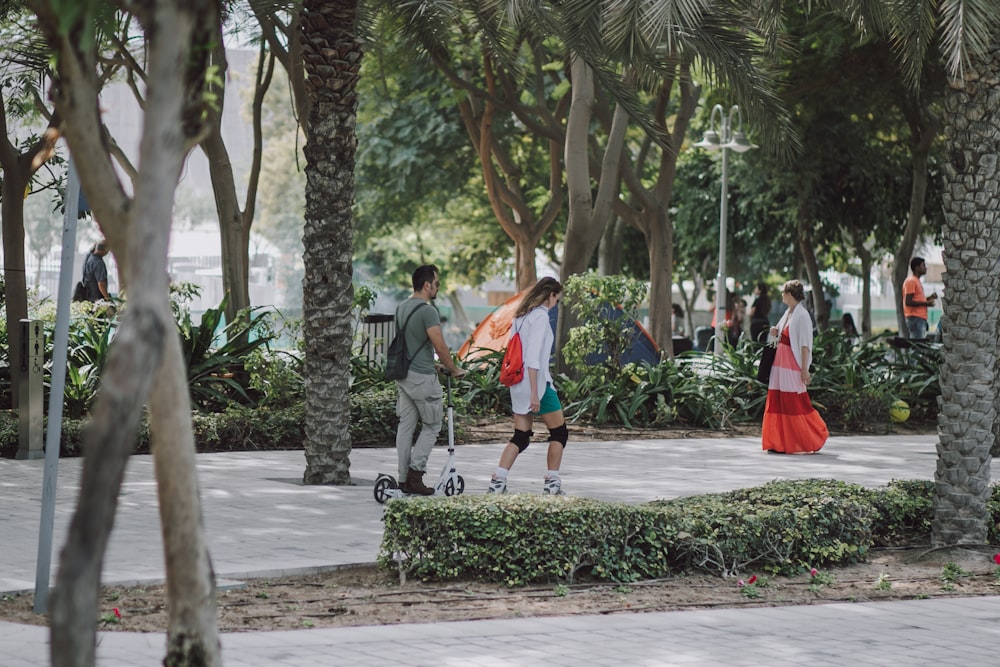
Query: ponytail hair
x,y
538,295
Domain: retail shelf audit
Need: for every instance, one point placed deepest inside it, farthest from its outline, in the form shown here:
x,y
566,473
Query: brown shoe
x,y
414,484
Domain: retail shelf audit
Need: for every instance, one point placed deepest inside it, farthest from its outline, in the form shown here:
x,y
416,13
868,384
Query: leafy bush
x,y
605,307
514,539
903,512
373,417
275,378
782,527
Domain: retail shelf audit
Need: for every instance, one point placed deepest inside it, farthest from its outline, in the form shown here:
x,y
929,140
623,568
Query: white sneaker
x,y
497,486
553,487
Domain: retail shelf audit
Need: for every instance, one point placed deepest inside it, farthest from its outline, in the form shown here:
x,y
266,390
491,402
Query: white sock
x,y
551,474
501,473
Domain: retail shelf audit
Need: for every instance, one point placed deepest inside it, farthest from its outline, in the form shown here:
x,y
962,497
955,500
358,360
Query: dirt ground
x,y
366,596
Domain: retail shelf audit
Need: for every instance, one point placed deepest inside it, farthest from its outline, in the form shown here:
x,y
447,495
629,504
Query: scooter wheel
x,y
382,486
455,487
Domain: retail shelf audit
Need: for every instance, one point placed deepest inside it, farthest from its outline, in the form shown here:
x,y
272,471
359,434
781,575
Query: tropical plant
x,y
89,343
479,391
214,353
639,395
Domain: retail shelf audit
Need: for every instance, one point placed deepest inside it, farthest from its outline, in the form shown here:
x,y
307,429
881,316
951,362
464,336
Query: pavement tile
x,y
262,521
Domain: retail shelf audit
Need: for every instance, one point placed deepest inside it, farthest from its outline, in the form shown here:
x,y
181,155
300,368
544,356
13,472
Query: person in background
x,y
676,319
850,330
735,330
419,394
760,311
534,394
791,423
95,273
915,304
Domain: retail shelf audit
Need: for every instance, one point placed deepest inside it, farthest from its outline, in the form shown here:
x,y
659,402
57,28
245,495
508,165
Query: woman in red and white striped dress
x,y
791,423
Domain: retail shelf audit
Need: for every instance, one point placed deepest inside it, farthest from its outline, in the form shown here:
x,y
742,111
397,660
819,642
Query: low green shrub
x,y
782,528
238,428
903,512
517,539
373,417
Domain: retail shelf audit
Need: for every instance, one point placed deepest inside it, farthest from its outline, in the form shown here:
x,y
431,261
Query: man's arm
x,y
102,287
910,301
444,354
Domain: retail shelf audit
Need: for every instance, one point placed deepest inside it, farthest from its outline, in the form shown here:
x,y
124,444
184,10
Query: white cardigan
x,y
800,332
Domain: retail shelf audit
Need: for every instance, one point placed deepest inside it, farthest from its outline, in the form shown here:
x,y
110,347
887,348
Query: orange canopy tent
x,y
493,333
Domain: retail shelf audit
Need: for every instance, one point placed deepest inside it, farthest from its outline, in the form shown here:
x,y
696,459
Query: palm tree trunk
x,y
332,54
971,306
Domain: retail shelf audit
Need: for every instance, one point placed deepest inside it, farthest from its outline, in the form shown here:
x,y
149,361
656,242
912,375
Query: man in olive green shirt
x,y
420,397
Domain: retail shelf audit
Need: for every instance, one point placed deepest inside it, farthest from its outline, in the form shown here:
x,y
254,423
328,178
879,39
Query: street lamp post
x,y
725,140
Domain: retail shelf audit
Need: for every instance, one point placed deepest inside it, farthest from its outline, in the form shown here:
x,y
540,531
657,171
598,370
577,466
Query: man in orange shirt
x,y
914,302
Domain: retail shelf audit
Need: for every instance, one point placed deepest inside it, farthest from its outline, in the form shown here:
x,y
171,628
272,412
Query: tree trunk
x,y
866,291
525,271
15,283
609,252
911,232
192,628
971,306
660,242
332,55
109,442
820,310
234,230
18,169
588,214
172,125
502,174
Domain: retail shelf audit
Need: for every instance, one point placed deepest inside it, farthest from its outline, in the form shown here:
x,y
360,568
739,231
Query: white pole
x,y
720,279
53,435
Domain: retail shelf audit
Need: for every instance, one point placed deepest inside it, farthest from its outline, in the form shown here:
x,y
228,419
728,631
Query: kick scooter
x,y
449,484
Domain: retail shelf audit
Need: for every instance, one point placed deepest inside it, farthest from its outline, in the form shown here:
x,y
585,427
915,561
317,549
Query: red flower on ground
x,y
752,579
996,558
813,572
117,613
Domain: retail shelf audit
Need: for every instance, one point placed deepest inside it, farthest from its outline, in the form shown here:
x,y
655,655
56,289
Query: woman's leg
x,y
552,483
518,443
553,458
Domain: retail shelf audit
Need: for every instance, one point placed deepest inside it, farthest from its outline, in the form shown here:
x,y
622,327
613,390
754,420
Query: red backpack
x,y
512,366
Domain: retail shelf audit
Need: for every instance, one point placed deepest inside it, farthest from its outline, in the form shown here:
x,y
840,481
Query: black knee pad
x,y
521,439
559,434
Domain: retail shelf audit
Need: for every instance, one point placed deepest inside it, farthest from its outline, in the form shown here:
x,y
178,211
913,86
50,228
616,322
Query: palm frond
x,y
968,27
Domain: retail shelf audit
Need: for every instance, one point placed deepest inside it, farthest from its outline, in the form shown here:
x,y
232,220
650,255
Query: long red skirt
x,y
791,423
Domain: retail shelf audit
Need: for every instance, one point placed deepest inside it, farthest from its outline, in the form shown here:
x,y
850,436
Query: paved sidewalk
x,y
262,521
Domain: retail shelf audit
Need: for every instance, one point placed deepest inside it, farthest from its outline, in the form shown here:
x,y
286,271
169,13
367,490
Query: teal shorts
x,y
550,401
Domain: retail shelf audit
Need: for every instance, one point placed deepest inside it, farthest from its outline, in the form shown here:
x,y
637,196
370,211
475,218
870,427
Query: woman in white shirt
x,y
791,423
535,394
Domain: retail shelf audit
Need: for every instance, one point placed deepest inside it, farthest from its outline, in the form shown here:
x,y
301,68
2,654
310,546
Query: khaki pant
x,y
420,399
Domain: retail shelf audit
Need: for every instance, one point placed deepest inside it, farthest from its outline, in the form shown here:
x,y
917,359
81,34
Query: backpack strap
x,y
406,323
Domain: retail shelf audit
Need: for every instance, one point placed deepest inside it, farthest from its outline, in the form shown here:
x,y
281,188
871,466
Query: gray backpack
x,y
397,362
